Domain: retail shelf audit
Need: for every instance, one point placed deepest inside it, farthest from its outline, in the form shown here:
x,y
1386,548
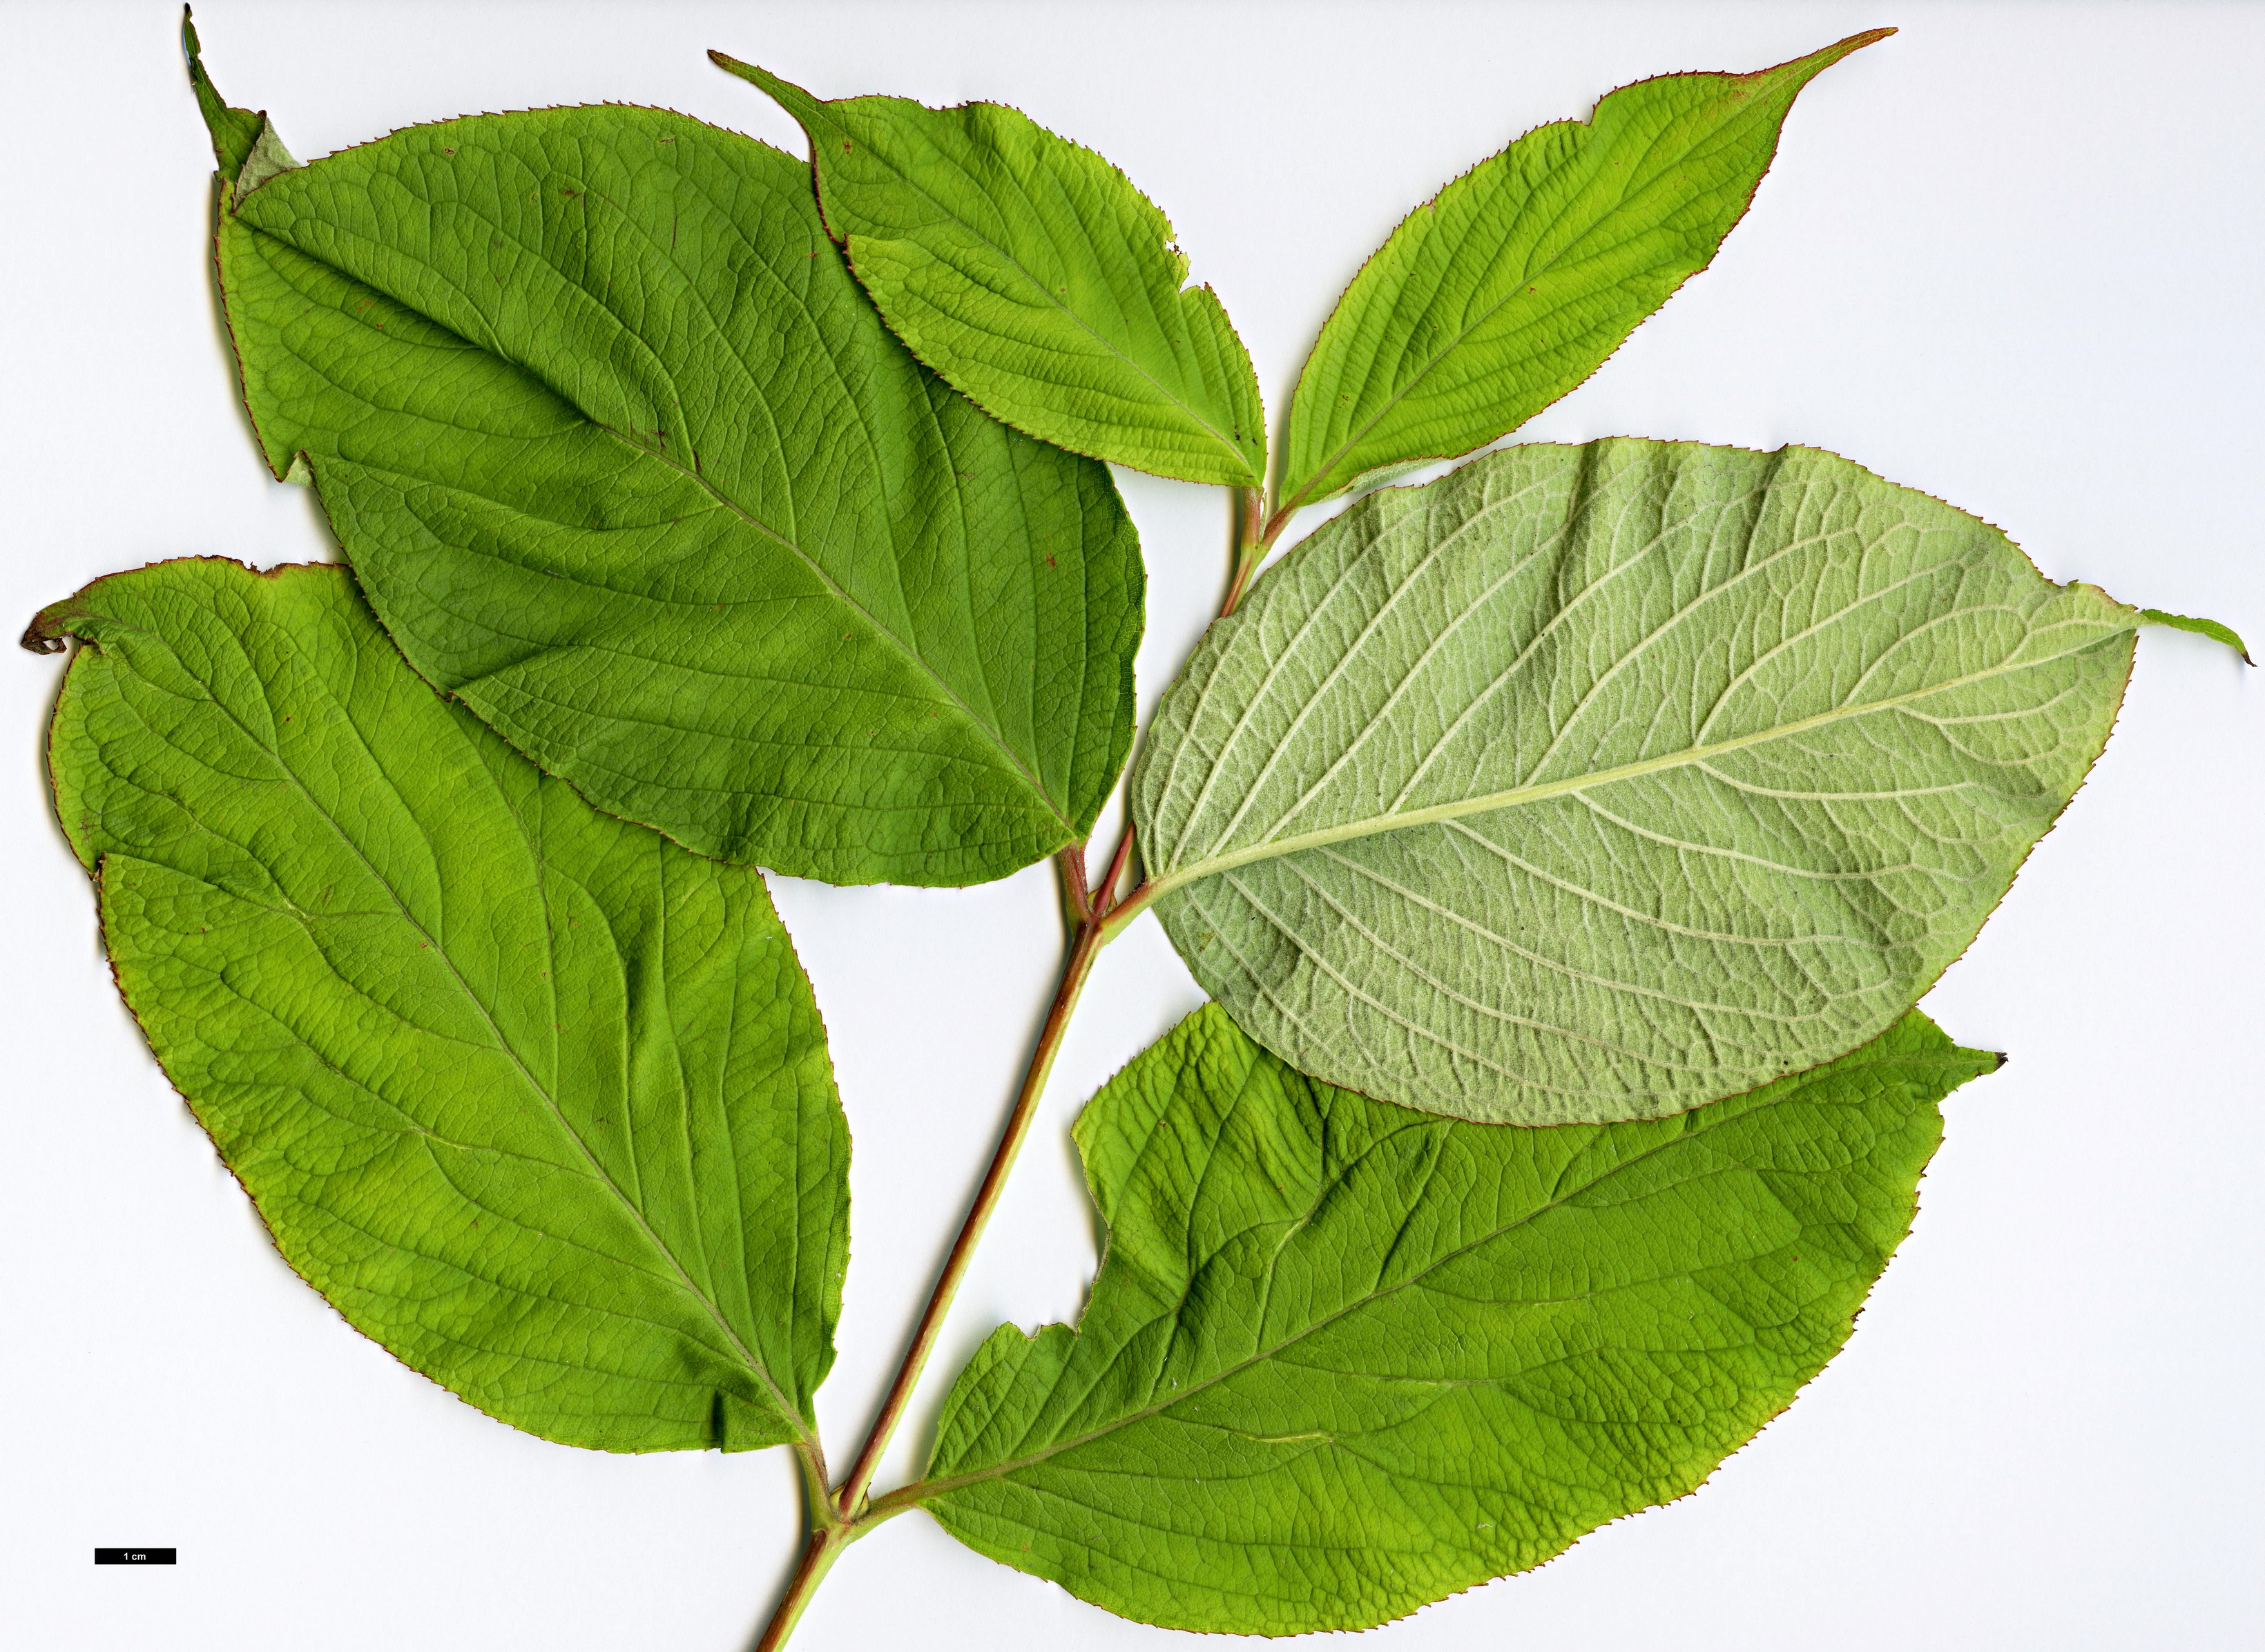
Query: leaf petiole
x,y
1105,891
1258,530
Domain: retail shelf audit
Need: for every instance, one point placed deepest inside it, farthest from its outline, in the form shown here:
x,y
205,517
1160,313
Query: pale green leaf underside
x,y
1342,1359
1509,288
1597,783
1030,274
539,1101
625,459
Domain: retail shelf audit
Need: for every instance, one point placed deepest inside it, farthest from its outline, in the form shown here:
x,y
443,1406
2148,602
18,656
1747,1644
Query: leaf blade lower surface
x,y
1597,783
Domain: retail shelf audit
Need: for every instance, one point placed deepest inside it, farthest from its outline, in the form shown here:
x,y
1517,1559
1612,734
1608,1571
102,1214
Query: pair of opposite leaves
x,y
1586,784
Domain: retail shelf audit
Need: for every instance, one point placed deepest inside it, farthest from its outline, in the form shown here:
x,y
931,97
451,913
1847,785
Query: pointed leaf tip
x,y
1801,70
234,131
1817,62
44,635
1029,274
1825,56
2211,629
1858,42
1520,278
758,76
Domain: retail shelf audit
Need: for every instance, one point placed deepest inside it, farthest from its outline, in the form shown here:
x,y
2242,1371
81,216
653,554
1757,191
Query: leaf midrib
x,y
928,1490
1516,796
754,1366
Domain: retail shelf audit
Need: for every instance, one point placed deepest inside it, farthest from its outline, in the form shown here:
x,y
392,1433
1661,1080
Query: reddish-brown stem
x,y
848,1502
1107,889
825,1547
1077,900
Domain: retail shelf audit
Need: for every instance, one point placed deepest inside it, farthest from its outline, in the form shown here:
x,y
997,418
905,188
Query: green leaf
x,y
2211,629
234,131
244,145
626,462
1515,282
540,1102
1342,1359
1597,783
1030,274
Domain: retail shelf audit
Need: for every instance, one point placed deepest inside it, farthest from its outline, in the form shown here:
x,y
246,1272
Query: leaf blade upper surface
x,y
539,1101
625,460
1595,783
2214,630
1342,1359
1036,278
1517,281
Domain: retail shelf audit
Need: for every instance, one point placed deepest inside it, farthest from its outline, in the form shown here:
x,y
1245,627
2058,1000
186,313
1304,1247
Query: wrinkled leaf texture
x,y
1510,286
624,458
539,1101
1598,783
1034,277
1342,1359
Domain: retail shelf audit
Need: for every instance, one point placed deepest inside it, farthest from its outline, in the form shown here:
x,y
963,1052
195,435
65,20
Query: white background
x,y
2010,256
